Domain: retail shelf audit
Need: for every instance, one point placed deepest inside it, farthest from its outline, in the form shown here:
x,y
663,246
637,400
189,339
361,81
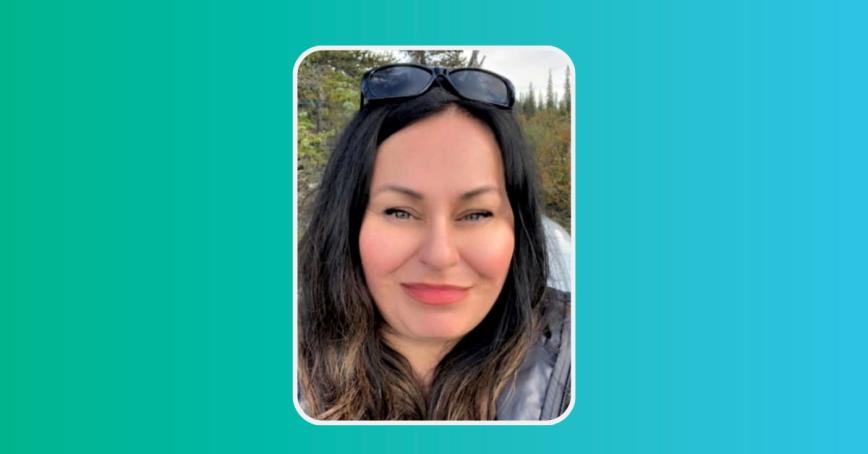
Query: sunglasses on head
x,y
408,80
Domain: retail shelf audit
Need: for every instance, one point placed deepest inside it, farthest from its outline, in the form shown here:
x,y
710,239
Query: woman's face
x,y
437,237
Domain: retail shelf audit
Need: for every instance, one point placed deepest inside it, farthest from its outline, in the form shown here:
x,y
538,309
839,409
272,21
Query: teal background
x,y
145,223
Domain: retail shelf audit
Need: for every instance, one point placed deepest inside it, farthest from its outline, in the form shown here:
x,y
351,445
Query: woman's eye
x,y
478,216
397,213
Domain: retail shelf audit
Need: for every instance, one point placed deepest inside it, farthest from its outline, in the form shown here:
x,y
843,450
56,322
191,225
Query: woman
x,y
423,269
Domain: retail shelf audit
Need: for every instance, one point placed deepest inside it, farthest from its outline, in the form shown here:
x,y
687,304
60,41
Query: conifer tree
x,y
530,102
550,93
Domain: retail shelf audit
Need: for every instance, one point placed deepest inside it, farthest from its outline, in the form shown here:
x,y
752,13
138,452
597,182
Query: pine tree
x,y
568,95
530,102
550,93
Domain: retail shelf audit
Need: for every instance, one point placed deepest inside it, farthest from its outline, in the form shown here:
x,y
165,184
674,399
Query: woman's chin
x,y
440,332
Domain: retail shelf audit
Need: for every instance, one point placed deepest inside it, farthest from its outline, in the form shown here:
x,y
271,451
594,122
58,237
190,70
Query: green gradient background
x,y
145,224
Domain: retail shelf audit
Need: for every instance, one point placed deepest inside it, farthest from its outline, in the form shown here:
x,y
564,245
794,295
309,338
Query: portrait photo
x,y
434,235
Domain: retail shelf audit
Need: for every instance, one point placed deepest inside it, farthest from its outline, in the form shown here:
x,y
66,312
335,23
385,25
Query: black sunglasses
x,y
407,80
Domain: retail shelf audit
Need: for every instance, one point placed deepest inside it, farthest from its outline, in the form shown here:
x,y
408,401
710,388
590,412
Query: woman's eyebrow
x,y
401,189
418,196
478,191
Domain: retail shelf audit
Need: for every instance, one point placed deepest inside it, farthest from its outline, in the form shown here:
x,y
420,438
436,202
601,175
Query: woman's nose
x,y
439,249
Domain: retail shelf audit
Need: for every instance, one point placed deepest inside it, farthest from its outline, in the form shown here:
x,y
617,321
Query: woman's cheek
x,y
383,246
489,250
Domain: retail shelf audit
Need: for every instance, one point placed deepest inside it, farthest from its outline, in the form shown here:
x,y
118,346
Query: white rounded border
x,y
294,101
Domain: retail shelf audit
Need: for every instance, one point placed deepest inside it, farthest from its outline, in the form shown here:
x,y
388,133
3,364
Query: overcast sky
x,y
523,65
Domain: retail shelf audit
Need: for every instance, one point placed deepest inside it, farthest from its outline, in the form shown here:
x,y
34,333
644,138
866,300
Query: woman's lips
x,y
435,294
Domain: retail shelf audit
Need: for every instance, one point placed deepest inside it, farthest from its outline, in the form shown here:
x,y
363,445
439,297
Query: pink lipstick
x,y
435,294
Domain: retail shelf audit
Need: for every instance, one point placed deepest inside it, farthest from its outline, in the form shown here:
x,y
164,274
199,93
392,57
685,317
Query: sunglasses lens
x,y
480,86
397,81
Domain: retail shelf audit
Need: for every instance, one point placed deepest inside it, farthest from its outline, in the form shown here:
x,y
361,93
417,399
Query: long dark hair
x,y
346,370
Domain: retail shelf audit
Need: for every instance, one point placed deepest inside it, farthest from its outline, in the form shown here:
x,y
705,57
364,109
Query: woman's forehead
x,y
447,151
